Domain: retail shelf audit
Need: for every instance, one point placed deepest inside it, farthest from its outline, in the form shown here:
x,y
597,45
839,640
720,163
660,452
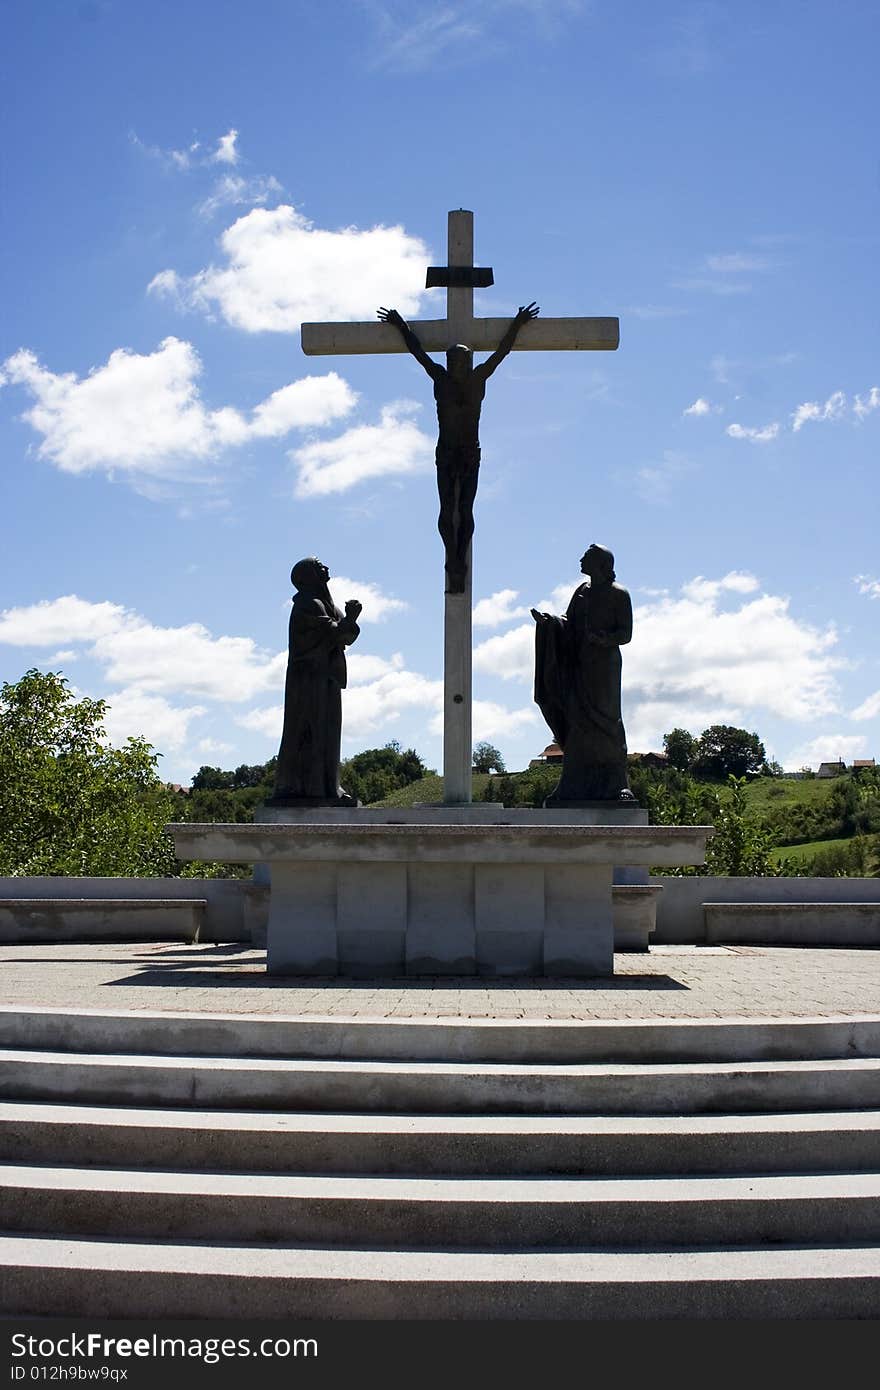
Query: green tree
x,y
212,779
377,772
724,751
487,759
69,802
740,847
680,748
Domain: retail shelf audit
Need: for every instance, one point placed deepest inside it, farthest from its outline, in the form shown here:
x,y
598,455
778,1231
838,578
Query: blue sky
x,y
184,184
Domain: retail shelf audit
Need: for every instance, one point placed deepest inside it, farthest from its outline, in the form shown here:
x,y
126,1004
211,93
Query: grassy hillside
x,y
792,853
768,794
429,791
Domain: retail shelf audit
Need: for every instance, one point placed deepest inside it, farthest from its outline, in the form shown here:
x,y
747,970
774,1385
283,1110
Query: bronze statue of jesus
x,y
459,390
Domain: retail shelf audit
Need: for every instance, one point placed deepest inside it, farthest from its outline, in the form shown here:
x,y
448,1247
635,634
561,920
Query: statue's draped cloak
x,y
577,688
308,759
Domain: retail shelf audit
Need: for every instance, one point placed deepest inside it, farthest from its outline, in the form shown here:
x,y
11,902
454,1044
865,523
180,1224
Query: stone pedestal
x,y
474,891
635,915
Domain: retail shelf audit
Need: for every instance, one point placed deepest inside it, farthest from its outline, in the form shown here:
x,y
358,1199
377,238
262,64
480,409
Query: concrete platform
x,y
668,982
507,896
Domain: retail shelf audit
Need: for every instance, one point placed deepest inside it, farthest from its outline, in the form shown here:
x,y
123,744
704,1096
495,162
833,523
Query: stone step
x,y
489,1040
66,1277
441,1087
541,1145
445,1213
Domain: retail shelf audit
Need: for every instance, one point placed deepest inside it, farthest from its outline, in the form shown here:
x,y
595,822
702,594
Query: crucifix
x,y
459,277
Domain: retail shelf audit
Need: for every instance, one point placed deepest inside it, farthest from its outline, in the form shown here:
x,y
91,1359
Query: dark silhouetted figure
x,y
577,684
459,390
308,759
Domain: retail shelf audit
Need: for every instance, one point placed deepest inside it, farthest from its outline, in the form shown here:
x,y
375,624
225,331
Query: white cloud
x,y
226,153
415,35
495,722
499,608
281,270
756,656
721,287
213,746
264,721
426,37
180,160
377,703
363,667
377,605
653,311
230,190
722,273
833,408
722,367
135,652
311,401
189,659
754,436
740,582
867,585
134,712
868,709
702,407
655,482
66,619
736,262
143,413
695,662
737,581
511,655
648,720
827,748
863,406
396,445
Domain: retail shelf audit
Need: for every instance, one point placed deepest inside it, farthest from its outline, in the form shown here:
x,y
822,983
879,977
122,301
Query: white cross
x,y
481,335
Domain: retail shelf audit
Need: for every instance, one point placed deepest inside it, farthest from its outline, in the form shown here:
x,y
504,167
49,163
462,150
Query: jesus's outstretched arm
x,y
523,315
397,321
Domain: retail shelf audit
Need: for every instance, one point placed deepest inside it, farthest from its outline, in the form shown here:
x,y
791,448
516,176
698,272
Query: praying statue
x,y
459,390
577,684
308,759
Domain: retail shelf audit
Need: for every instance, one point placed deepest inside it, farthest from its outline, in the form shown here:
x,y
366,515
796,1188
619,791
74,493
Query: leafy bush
x,y
70,804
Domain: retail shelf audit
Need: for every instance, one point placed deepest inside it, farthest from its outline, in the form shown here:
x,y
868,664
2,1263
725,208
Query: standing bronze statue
x,y
459,390
308,759
577,684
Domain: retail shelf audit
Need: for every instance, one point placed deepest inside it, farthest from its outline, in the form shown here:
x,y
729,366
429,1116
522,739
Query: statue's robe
x,y
308,759
577,687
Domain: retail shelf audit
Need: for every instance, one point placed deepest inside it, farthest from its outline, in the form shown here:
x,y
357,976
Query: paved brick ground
x,y
668,982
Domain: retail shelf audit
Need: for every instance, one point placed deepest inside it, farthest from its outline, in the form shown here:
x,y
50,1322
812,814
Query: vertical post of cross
x,y
457,628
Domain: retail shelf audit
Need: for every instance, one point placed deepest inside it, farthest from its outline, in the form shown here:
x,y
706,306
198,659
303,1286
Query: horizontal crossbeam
x,y
459,277
484,335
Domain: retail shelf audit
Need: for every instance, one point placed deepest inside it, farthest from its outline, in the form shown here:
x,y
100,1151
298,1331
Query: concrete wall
x,y
227,898
234,905
680,905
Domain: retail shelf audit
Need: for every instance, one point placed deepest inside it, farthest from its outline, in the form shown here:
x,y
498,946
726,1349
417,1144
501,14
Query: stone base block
x,y
440,919
526,894
635,915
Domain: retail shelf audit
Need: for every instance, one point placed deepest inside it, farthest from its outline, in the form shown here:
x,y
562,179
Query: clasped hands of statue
x,y
353,609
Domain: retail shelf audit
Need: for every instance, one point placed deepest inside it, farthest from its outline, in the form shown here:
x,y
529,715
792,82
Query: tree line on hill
x,y
72,804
